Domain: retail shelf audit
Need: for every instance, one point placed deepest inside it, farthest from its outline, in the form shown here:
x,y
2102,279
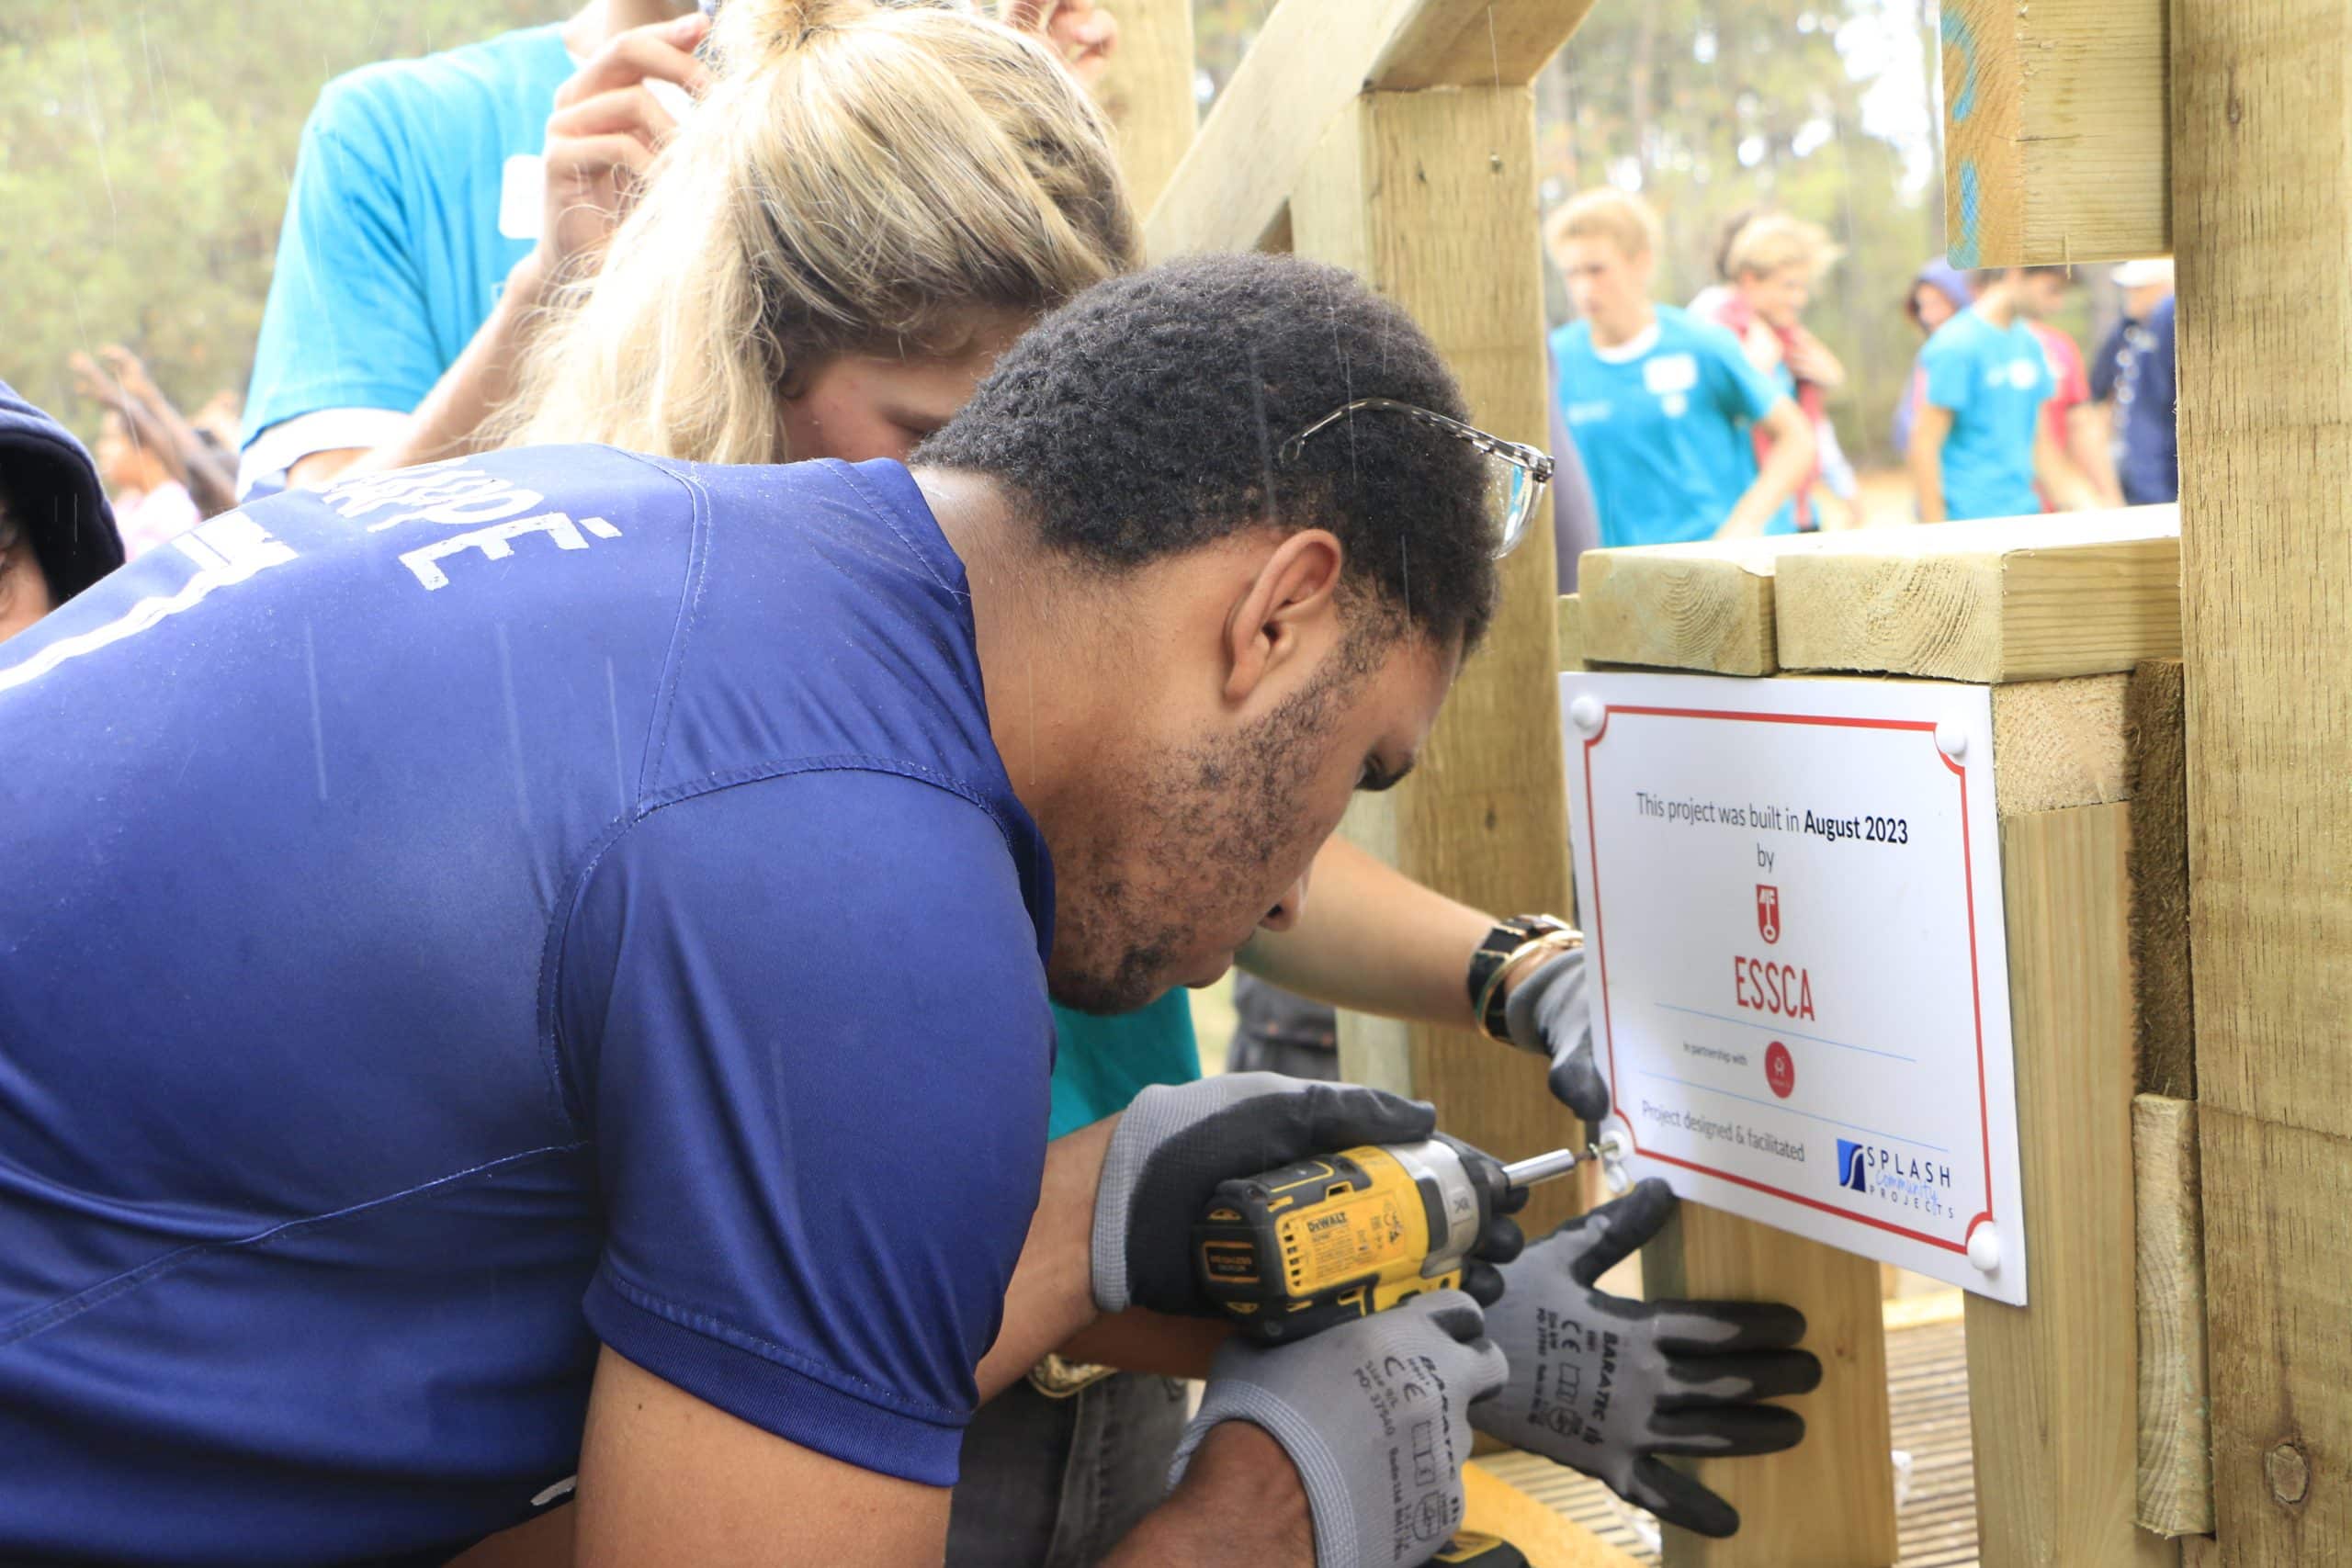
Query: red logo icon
x,y
1768,912
1779,1069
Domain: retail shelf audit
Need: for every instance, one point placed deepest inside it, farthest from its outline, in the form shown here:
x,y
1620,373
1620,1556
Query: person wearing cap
x,y
2134,374
1938,292
57,532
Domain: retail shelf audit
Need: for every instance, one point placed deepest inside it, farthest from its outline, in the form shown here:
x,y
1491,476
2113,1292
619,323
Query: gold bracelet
x,y
1549,942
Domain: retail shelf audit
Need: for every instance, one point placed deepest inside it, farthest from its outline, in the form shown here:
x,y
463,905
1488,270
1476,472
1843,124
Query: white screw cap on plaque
x,y
1951,739
1984,1248
1615,1146
1586,713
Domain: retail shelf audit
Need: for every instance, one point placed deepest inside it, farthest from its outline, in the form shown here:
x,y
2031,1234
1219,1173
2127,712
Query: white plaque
x,y
1792,891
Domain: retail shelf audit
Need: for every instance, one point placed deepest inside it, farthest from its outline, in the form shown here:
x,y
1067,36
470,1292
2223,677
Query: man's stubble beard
x,y
1131,904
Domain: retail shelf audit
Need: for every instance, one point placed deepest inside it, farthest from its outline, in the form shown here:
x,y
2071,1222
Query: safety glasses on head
x,y
1516,474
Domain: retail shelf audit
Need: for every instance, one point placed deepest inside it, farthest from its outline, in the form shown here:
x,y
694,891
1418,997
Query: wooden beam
x,y
1997,599
1697,607
2059,743
1147,91
1430,197
1828,1503
1477,43
1305,67
2175,1440
2052,1385
1570,619
2281,1362
2262,220
2057,146
2155,747
1545,1537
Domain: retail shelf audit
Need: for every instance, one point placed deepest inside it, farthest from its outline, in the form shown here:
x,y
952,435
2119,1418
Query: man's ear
x,y
1293,596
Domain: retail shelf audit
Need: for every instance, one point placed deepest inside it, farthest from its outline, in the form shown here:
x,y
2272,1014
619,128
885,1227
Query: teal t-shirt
x,y
1100,1064
1662,423
1995,381
393,251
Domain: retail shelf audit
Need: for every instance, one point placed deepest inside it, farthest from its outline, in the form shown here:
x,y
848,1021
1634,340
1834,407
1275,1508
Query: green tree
x,y
144,164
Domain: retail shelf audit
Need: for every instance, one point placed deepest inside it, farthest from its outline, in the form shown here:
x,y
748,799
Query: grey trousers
x,y
1055,1483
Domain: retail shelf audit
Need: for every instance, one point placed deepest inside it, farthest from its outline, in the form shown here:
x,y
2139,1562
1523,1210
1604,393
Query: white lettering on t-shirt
x,y
439,492
1670,373
495,542
1588,412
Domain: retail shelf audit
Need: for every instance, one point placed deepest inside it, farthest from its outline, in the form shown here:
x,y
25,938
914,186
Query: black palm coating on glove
x,y
1188,1138
1548,1014
1607,1385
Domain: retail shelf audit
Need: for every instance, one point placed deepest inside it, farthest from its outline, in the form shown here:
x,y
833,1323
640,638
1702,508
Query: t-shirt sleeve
x,y
1748,393
1950,373
2106,365
805,1022
347,325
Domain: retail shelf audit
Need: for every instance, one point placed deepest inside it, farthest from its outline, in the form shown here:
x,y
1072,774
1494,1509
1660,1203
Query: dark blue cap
x,y
51,487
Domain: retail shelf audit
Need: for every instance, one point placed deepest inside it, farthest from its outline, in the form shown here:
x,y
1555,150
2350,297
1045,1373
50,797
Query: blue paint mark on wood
x,y
1964,250
1956,36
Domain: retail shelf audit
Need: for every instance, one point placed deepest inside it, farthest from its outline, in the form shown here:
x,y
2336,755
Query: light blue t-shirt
x,y
1662,423
1100,1064
1995,381
391,254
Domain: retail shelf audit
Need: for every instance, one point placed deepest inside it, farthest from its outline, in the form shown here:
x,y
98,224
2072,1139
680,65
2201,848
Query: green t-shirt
x,y
1100,1064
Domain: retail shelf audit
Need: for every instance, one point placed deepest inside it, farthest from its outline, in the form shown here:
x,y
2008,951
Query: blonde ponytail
x,y
859,178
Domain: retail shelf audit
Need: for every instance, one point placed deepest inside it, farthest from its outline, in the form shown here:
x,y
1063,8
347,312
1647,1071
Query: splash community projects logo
x,y
1899,1180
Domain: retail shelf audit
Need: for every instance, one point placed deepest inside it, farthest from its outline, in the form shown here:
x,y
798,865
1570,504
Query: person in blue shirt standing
x,y
1979,442
2134,372
1662,406
572,993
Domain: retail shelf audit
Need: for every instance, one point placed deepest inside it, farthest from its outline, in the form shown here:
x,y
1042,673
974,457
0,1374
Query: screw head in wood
x,y
1586,713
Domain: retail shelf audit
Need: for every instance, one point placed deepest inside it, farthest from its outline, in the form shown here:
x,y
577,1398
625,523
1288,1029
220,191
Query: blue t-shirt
x,y
1995,381
391,254
1662,423
462,916
1100,1064
2135,369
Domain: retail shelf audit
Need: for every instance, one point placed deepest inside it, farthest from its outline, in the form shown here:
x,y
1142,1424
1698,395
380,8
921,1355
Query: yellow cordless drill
x,y
1293,1251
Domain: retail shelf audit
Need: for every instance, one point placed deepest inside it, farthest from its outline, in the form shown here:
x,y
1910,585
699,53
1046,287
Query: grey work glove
x,y
1176,1142
1549,1013
1374,1414
1604,1384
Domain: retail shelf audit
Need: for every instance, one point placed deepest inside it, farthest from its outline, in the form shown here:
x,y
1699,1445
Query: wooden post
x,y
2056,142
1430,197
2263,225
1148,94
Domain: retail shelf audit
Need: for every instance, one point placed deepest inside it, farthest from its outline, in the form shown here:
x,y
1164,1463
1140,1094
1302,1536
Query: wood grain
x,y
2052,1385
1147,91
1545,1539
1828,1503
2057,137
2156,754
1430,197
2175,1440
1697,607
2058,743
2281,1359
1995,599
1477,43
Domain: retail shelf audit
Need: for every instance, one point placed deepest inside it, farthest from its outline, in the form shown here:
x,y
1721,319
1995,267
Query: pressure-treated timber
x,y
2058,743
1997,599
1477,43
2176,1453
2156,747
1828,1503
1570,619
1308,63
1148,90
1430,197
2261,223
1696,606
2056,144
2279,1355
2052,1385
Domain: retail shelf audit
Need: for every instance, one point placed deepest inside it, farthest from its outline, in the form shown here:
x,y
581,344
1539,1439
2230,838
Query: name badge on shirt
x,y
1670,373
522,195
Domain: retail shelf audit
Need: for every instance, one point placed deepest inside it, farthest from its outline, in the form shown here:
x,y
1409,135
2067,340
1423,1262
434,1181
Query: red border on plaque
x,y
1975,983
